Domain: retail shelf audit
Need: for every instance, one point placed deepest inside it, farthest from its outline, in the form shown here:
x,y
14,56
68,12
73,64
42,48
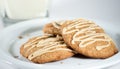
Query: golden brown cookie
x,y
87,38
53,28
45,48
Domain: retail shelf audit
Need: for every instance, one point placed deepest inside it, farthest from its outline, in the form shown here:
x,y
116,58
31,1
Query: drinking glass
x,y
12,11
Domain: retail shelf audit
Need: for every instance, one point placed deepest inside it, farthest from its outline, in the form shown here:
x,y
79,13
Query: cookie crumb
x,y
61,62
20,37
16,56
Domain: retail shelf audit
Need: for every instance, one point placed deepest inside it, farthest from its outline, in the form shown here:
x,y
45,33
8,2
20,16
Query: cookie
x,y
53,27
88,39
45,48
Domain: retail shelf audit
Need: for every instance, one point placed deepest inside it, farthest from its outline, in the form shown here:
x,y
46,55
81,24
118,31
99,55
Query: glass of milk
x,y
13,11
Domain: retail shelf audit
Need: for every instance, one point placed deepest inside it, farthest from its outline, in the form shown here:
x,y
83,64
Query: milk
x,y
25,9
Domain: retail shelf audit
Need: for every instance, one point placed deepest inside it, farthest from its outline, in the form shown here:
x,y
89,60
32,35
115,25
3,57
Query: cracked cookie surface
x,y
45,48
87,38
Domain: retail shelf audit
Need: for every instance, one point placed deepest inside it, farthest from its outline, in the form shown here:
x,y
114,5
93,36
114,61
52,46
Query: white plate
x,y
10,44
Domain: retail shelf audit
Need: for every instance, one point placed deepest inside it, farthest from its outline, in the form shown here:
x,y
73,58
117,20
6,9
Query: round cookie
x,y
45,48
87,38
53,28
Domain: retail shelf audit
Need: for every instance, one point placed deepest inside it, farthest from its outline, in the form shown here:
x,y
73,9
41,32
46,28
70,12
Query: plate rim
x,y
20,24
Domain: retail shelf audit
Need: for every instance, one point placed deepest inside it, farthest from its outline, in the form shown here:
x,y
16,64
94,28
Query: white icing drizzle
x,y
46,50
61,22
32,42
76,27
57,24
45,45
86,30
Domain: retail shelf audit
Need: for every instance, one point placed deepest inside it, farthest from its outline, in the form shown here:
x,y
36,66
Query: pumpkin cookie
x,y
87,38
45,48
53,28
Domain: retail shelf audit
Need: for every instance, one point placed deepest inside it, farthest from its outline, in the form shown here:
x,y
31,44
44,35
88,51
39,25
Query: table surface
x,y
56,13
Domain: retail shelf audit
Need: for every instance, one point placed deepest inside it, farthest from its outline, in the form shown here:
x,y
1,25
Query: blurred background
x,y
94,9
105,10
100,9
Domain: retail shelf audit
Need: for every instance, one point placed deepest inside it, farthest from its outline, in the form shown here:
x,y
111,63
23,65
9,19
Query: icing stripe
x,y
45,50
57,24
45,45
86,34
